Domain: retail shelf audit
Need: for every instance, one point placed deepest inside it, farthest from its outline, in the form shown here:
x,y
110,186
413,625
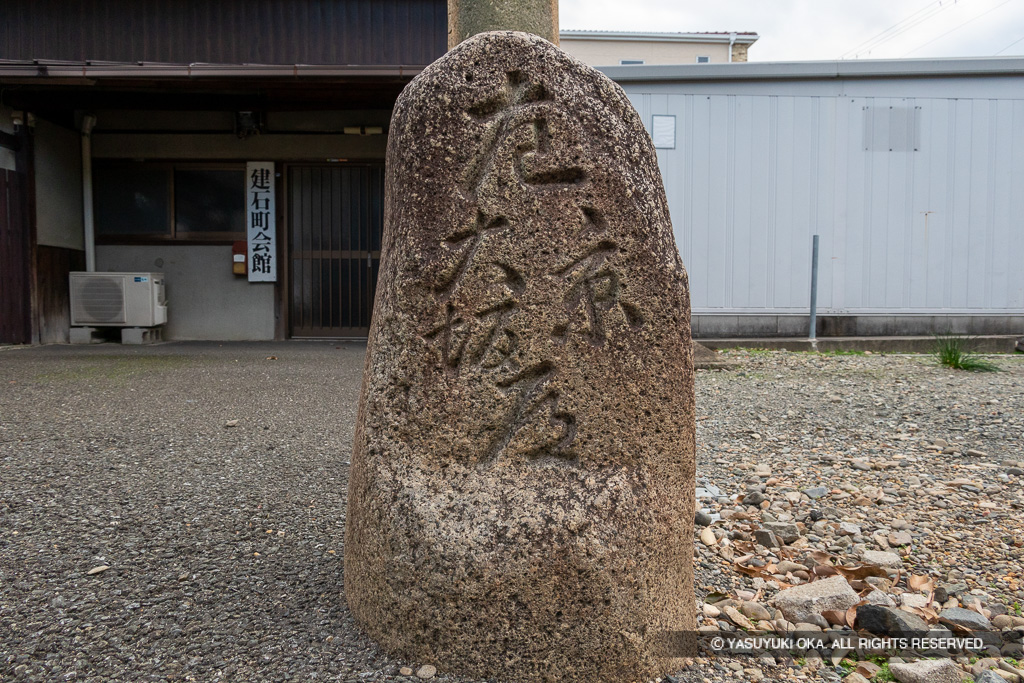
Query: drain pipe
x,y
88,217
732,42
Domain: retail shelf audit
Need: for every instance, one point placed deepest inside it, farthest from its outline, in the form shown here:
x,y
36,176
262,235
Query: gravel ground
x,y
209,479
910,458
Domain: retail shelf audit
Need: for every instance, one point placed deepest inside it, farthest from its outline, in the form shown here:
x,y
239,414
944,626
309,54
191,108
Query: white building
x,y
910,171
610,48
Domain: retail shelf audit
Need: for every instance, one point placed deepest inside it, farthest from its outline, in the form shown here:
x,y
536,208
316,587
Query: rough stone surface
x,y
766,538
944,591
967,618
877,597
882,558
989,677
916,600
522,487
927,671
785,531
754,498
887,621
800,603
708,359
898,538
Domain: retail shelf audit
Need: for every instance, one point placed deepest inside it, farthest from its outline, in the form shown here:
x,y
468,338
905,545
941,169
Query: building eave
x,y
95,71
861,68
654,37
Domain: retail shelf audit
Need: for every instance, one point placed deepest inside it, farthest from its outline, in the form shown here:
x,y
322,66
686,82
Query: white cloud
x,y
823,29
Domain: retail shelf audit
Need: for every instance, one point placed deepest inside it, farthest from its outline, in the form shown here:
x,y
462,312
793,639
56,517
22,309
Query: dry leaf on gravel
x,y
920,583
859,573
835,617
851,614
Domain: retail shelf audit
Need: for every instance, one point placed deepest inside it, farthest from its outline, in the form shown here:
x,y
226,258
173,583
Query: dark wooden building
x,y
126,128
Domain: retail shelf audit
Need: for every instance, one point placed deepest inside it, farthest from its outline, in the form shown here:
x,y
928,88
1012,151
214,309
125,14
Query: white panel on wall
x,y
1000,280
960,193
697,211
663,131
719,209
1014,236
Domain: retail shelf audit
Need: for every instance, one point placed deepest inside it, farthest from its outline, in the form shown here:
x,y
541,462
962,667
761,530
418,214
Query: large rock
x,y
927,671
888,621
522,486
801,603
709,359
967,618
786,532
882,558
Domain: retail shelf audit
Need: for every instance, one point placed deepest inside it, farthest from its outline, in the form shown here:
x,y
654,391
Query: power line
x,y
957,28
1009,46
915,19
857,49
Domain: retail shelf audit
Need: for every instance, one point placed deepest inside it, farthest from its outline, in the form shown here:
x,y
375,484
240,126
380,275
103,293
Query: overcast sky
x,y
823,29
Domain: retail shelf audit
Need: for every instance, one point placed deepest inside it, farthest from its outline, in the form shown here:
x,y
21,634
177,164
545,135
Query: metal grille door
x,y
336,216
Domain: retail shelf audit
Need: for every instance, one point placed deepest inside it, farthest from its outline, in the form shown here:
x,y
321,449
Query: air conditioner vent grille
x,y
101,300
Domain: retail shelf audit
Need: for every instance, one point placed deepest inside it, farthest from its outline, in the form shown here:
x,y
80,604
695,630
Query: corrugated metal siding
x,y
917,200
406,32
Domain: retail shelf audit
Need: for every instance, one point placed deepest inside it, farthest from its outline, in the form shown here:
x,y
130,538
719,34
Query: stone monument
x,y
522,482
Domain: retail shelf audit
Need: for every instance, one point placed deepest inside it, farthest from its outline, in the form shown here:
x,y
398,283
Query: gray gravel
x,y
224,543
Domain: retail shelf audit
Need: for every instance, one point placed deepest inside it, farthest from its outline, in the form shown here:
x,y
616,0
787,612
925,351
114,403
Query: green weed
x,y
957,352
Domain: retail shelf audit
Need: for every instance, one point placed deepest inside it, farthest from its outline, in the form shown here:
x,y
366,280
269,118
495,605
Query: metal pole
x,y
813,333
88,217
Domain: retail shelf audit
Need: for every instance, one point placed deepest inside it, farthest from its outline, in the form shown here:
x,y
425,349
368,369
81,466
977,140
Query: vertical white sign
x,y
261,228
663,131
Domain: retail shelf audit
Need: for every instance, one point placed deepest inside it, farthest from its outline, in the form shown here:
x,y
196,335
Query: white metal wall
x,y
919,201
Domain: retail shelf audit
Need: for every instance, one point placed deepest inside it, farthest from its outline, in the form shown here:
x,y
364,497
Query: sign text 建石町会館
x,y
260,223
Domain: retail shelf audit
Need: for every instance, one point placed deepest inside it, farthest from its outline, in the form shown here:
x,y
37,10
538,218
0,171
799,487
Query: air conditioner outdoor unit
x,y
118,300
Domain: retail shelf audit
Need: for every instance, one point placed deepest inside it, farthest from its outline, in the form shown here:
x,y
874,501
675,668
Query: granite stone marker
x,y
522,483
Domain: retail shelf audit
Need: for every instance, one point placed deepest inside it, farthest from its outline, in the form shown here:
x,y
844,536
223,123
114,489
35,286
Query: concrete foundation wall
x,y
716,326
58,159
6,155
205,300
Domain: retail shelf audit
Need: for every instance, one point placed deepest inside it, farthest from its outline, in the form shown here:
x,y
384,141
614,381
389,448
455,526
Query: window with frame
x,y
150,201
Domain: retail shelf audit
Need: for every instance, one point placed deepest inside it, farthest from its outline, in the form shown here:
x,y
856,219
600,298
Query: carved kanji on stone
x,y
521,491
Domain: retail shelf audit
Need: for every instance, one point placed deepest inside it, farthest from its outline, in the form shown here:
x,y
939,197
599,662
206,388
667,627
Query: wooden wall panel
x,y
367,32
15,259
53,301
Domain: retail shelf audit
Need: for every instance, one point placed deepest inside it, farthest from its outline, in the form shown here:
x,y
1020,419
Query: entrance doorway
x,y
336,217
